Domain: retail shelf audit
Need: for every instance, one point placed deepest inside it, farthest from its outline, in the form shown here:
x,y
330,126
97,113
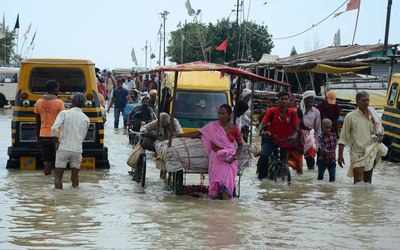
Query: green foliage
x,y
200,40
6,47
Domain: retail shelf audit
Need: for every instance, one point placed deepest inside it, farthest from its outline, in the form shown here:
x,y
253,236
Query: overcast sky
x,y
106,31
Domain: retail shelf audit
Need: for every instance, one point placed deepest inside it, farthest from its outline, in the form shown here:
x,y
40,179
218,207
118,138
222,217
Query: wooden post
x,y
312,80
239,82
298,82
251,113
173,106
160,73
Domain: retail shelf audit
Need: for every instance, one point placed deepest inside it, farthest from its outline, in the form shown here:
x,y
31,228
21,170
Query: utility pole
x,y
237,28
164,15
387,29
159,47
145,52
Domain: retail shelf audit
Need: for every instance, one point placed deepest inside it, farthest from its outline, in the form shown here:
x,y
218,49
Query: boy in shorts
x,y
72,126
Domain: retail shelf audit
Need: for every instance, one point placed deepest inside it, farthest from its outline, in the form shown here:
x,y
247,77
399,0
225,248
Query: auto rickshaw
x,y
74,76
198,95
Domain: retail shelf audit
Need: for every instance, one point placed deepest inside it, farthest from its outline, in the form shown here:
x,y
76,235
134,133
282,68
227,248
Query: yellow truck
x,y
391,118
74,76
198,96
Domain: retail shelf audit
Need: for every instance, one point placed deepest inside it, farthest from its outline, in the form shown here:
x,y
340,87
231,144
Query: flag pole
x,y
356,25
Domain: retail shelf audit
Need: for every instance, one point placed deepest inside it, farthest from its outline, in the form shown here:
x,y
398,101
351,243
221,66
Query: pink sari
x,y
222,170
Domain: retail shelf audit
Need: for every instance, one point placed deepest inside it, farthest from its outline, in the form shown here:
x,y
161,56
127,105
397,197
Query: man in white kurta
x,y
359,133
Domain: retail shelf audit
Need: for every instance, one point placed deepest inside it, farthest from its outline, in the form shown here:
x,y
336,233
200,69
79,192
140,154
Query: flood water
x,y
110,211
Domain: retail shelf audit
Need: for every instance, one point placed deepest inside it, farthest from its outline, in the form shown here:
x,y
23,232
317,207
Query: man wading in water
x,y
48,107
361,131
73,125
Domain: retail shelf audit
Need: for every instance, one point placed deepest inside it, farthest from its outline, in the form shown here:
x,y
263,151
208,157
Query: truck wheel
x,y
3,100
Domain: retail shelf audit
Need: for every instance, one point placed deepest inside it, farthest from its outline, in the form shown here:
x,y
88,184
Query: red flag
x,y
223,46
353,5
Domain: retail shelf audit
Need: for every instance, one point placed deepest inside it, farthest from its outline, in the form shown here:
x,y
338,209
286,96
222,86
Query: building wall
x,y
383,69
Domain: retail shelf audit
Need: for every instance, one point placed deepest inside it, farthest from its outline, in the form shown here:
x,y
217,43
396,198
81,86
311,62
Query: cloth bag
x,y
134,156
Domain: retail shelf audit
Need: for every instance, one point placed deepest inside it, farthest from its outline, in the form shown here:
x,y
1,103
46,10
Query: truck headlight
x,y
26,103
88,103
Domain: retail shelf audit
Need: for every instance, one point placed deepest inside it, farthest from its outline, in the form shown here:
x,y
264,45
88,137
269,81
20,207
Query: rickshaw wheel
x,y
143,171
140,173
177,182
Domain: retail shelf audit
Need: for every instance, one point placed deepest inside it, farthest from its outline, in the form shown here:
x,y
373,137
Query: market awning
x,y
324,68
203,66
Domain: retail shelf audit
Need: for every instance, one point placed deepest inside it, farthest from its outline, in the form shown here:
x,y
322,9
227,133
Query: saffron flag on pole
x,y
353,5
223,46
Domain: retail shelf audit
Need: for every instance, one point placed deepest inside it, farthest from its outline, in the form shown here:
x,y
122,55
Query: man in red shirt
x,y
279,126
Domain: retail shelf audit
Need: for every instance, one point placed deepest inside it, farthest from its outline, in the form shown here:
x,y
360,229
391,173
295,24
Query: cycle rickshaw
x,y
175,175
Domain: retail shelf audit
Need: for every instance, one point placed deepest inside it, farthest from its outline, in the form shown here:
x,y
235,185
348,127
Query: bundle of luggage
x,y
189,155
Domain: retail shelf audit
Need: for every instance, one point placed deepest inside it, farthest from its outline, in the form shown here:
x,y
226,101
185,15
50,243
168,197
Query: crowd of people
x,y
293,132
311,132
126,93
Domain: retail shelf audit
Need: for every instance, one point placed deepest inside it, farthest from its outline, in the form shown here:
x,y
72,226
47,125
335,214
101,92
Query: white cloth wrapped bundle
x,y
189,155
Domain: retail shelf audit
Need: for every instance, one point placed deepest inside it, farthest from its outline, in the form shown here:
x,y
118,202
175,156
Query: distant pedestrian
x,y
72,126
129,83
119,99
327,151
48,107
110,84
153,100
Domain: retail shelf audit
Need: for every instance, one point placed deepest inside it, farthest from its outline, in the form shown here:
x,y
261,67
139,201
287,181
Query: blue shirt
x,y
120,96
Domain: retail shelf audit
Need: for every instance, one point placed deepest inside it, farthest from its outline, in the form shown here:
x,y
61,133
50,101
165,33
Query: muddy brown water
x,y
110,211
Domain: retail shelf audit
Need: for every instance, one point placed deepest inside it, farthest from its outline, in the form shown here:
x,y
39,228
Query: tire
x,y
178,183
143,172
3,101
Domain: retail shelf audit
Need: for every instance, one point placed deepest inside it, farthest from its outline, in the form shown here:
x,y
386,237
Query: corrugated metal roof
x,y
332,53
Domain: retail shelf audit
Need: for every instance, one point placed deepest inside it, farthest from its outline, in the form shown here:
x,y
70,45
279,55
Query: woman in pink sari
x,y
222,140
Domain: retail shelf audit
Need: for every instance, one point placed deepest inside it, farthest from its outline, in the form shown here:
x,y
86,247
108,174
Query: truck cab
x,y
74,76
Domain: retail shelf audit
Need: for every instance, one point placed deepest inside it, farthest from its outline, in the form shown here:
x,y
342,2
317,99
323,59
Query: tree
x,y
293,52
200,40
7,44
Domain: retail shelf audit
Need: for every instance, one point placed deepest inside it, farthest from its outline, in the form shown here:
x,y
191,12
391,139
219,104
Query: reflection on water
x,y
109,211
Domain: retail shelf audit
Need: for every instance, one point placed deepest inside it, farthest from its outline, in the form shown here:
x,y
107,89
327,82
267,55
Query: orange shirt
x,y
48,110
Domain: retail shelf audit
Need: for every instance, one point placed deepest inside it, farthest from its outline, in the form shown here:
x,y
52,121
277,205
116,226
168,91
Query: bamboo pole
x,y
172,116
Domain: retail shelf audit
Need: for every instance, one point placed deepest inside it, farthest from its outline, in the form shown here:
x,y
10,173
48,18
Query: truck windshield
x,y
199,105
70,79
